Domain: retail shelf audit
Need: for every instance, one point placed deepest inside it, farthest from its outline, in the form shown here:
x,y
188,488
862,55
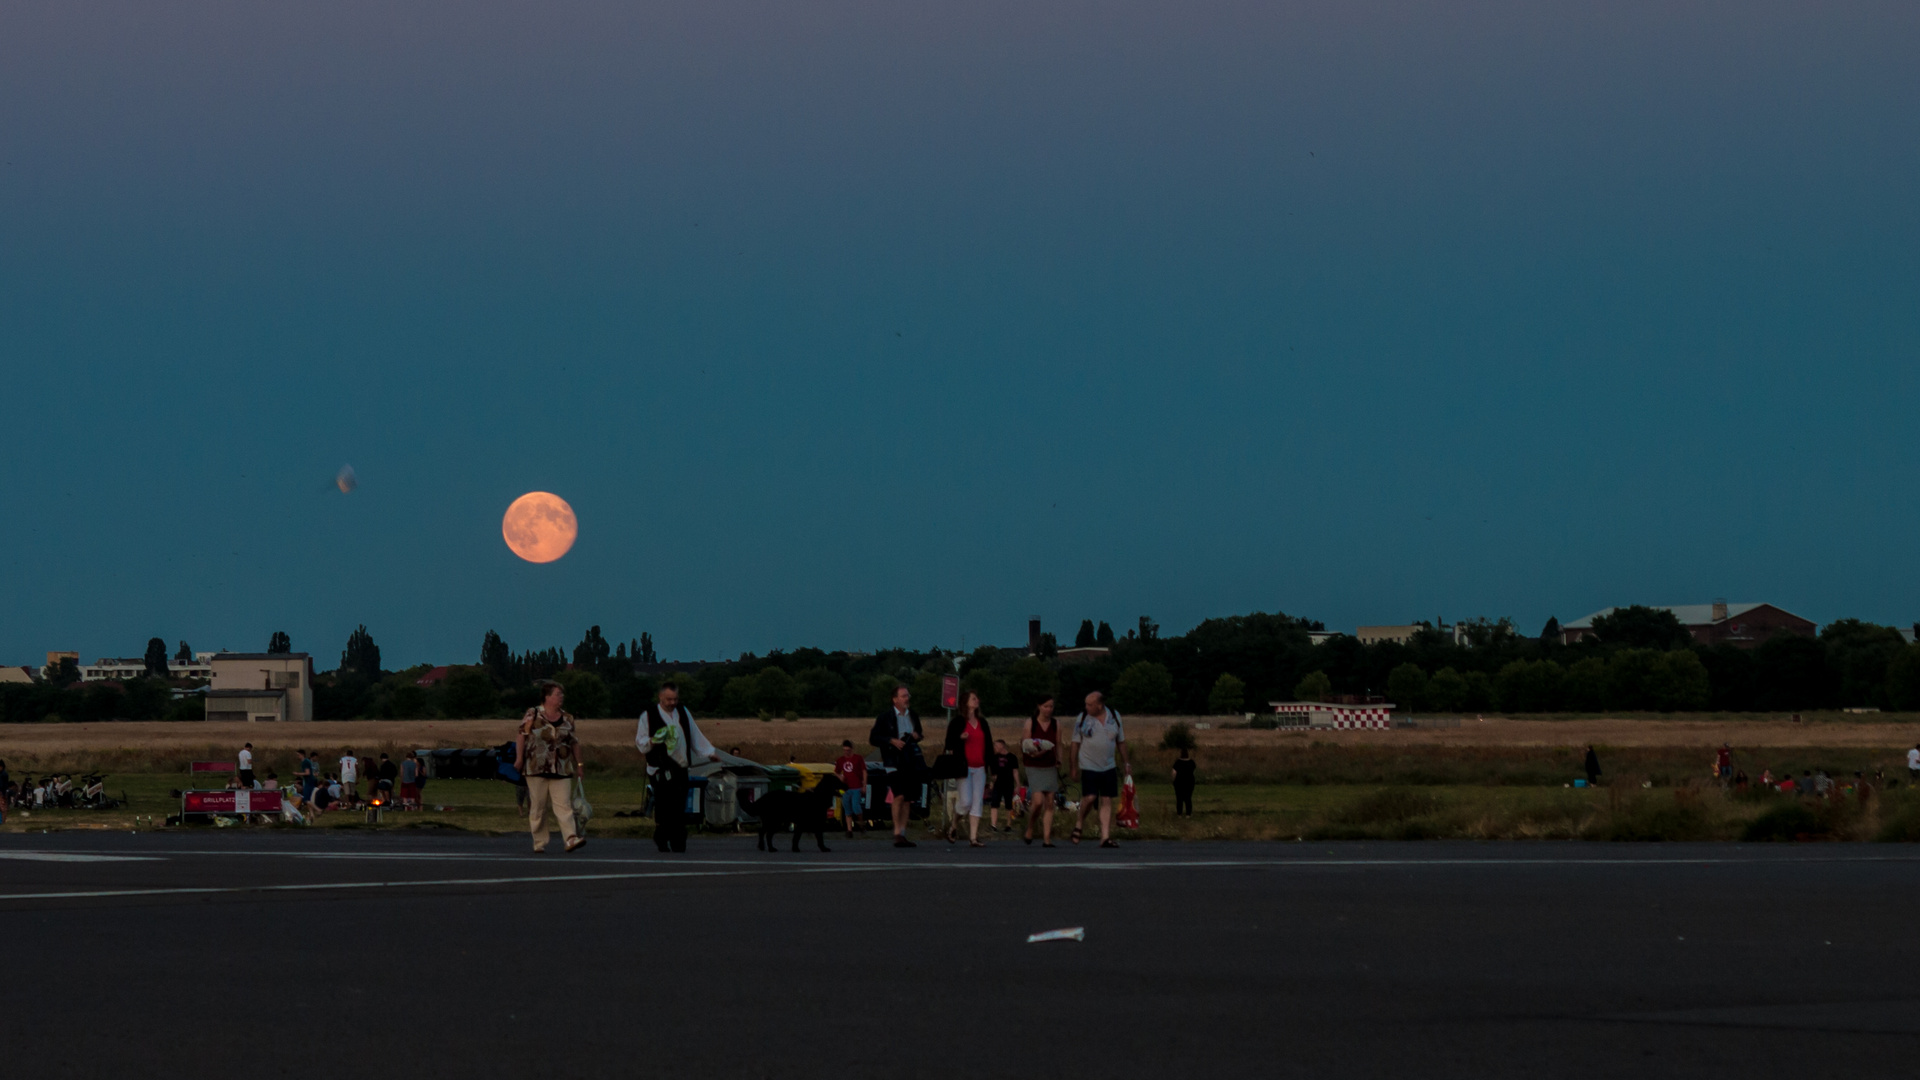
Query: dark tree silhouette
x,y
1085,637
280,642
497,658
362,656
1104,636
157,658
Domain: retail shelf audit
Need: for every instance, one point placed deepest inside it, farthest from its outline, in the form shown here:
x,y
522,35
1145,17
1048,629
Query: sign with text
x,y
229,801
950,691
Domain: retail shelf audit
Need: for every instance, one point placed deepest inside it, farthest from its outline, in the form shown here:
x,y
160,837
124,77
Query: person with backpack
x,y
671,742
548,754
1097,739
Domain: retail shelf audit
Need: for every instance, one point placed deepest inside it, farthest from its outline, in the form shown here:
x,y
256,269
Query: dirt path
x,y
47,739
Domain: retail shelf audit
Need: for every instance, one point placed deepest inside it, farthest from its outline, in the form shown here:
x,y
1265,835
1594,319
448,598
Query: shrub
x,y
1447,690
1788,821
1407,686
587,695
1388,806
1679,818
1145,687
1178,736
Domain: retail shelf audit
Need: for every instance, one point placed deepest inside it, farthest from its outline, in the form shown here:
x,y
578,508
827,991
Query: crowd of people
x,y
318,789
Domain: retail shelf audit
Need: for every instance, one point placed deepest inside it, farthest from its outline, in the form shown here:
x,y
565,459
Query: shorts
x,y
850,803
1000,797
410,792
1103,782
1043,779
902,784
246,777
386,785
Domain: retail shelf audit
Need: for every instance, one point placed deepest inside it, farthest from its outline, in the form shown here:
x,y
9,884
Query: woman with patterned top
x,y
548,755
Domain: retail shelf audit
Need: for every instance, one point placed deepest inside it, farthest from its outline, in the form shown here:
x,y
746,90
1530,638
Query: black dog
x,y
806,811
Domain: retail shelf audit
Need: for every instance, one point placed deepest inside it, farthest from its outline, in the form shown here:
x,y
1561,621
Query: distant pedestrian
x,y
1040,760
672,743
1184,768
548,756
1003,776
308,775
349,777
1592,765
388,773
1098,740
969,736
410,781
851,768
246,766
1723,764
897,734
1913,766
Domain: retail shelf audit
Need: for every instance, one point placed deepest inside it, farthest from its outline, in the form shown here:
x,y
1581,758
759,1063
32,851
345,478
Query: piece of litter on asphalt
x,y
1077,933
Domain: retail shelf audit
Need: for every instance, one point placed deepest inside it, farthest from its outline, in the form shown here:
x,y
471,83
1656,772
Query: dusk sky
x,y
858,325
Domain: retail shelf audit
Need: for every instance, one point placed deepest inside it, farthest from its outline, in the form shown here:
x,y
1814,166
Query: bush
x,y
1447,691
468,694
1679,818
1228,696
736,697
1389,806
1788,821
1407,686
1145,687
1178,736
775,691
587,695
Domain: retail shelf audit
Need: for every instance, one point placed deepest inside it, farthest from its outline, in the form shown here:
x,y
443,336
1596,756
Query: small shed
x,y
1319,714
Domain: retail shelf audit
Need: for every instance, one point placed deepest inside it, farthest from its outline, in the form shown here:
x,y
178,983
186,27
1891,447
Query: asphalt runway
x,y
310,954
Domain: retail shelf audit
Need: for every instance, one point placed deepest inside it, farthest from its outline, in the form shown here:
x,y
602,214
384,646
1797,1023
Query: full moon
x,y
539,527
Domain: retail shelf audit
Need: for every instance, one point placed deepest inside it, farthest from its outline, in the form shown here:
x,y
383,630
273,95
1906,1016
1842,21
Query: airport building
x,y
261,686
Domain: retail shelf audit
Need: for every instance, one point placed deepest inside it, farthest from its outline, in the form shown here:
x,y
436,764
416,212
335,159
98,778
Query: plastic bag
x,y
1129,815
582,809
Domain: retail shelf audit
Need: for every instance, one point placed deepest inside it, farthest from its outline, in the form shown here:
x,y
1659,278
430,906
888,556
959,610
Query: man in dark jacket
x,y
897,734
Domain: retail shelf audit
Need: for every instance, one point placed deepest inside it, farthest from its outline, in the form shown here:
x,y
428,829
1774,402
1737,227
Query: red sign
x,y
210,766
229,801
950,691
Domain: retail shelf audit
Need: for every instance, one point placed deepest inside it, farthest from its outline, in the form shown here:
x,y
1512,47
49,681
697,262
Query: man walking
x,y
1097,738
671,741
246,766
1913,767
851,768
897,734
308,775
1723,764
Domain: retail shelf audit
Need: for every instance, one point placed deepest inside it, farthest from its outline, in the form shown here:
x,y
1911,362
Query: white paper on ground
x,y
1077,933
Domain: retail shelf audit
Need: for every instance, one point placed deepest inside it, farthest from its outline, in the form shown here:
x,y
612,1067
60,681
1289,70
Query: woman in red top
x,y
969,736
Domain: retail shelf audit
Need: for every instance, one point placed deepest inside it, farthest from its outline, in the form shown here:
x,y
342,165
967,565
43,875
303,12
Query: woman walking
x,y
1040,760
548,756
968,736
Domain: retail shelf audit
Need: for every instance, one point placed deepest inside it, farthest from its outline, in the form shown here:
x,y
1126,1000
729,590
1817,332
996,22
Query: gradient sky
x,y
858,325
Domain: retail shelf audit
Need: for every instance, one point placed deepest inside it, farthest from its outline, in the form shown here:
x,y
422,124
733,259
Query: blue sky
x,y
870,324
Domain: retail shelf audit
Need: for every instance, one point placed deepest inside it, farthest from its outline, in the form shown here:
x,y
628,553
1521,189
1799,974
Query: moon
x,y
539,527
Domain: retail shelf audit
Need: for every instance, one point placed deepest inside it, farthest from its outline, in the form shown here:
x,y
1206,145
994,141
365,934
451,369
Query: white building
x,y
261,686
136,668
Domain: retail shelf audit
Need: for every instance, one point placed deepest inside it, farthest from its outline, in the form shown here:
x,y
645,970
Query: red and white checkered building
x,y
1322,715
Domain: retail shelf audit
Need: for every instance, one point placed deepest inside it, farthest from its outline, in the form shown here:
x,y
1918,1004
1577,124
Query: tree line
x,y
1636,659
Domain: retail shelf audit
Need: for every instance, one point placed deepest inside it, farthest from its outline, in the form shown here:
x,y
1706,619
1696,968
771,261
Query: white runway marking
x,y
336,885
70,856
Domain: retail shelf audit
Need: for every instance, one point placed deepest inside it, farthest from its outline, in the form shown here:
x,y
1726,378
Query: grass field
x,y
1505,778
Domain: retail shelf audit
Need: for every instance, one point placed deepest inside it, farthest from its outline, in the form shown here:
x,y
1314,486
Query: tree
x,y
1145,687
1149,630
1228,696
1049,645
1629,678
646,649
1447,690
1178,736
1857,656
279,643
1084,638
65,673
593,652
1642,627
1679,682
1104,636
156,658
496,658
1792,673
1529,686
1550,633
1029,682
586,693
880,692
1483,633
185,654
1314,686
775,691
1903,679
468,694
1407,686
361,656
1585,688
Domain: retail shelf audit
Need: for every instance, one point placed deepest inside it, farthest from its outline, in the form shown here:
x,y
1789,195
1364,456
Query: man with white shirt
x,y
1913,767
1097,740
349,777
246,766
671,741
897,734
